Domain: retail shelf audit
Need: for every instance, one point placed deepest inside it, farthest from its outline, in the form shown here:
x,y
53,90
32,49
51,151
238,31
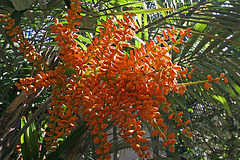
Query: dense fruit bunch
x,y
107,83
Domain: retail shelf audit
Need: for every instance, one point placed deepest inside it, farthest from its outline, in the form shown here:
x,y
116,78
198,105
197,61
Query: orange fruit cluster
x,y
124,87
23,45
108,83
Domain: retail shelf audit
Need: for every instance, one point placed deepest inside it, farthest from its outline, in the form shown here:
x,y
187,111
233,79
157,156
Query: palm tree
x,y
213,49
